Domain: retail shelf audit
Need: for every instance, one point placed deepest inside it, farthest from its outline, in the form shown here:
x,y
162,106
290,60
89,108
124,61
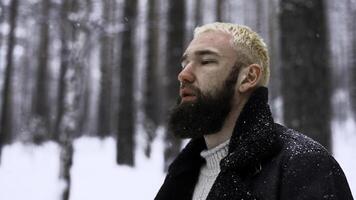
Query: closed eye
x,y
206,62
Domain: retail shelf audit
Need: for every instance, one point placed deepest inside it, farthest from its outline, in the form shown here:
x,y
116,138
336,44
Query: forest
x,y
108,68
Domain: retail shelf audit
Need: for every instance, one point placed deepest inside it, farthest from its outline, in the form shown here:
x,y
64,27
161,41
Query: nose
x,y
186,75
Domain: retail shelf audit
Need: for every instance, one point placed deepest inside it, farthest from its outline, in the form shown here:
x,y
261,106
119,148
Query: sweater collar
x,y
215,155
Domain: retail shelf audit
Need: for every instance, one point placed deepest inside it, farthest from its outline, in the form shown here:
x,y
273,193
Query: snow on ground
x,y
344,149
96,175
31,172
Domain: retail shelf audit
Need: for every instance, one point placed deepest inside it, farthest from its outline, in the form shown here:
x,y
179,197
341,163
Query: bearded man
x,y
236,150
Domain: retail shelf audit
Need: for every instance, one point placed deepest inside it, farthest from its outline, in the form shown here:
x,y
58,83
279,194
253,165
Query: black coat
x,y
265,161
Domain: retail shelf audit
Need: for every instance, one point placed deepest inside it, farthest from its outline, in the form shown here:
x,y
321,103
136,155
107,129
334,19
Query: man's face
x,y
208,80
206,63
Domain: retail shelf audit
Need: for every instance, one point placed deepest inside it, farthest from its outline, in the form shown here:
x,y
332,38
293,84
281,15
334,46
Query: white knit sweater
x,y
210,170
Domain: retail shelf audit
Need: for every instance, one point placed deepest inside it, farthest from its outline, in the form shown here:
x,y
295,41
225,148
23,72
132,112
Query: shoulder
x,y
294,143
308,170
301,154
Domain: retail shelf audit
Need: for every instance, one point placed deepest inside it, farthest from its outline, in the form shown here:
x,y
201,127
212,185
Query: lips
x,y
187,94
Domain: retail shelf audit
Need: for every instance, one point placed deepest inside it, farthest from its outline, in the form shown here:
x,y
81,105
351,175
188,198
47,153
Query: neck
x,y
213,140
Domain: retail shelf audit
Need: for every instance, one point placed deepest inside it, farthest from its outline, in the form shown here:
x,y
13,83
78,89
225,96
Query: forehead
x,y
215,41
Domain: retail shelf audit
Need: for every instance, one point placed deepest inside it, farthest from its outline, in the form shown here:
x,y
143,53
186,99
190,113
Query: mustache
x,y
195,89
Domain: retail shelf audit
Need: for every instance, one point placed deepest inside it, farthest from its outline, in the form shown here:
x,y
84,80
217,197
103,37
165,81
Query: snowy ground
x,y
31,172
344,149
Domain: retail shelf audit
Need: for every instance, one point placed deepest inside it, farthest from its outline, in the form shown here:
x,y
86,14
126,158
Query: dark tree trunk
x,y
66,161
126,124
2,18
198,18
219,10
40,101
26,74
106,68
305,68
68,92
66,36
275,60
64,54
176,30
353,57
259,15
152,91
6,110
72,65
85,50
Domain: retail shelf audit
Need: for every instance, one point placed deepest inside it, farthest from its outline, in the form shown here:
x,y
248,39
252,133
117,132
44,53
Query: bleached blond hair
x,y
247,42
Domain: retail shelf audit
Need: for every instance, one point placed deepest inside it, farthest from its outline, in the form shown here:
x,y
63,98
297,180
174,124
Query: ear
x,y
250,77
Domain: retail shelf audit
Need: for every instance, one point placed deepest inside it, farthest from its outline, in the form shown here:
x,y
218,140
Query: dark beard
x,y
205,115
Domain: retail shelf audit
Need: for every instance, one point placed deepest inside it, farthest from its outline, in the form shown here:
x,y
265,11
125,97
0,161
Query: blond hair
x,y
246,41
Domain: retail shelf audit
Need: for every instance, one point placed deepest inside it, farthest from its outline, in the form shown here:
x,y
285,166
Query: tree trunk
x,y
175,37
126,124
152,91
6,110
275,60
68,92
66,36
86,8
198,17
66,161
219,10
305,68
40,101
2,18
106,65
353,57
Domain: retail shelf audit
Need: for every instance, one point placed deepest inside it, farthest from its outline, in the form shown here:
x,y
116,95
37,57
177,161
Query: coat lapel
x,y
253,142
189,159
183,173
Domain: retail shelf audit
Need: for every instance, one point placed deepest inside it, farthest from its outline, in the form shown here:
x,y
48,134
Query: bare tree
x,y
106,68
305,68
198,18
175,37
40,102
274,52
2,19
6,109
69,90
219,10
352,6
86,50
152,92
126,123
65,30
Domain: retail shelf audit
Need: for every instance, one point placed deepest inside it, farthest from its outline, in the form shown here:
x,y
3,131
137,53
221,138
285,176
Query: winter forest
x,y
89,82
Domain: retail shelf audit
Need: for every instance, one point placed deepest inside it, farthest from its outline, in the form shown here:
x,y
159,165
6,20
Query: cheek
x,y
212,82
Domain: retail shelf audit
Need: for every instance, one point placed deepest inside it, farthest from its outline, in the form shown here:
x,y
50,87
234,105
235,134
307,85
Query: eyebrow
x,y
201,53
